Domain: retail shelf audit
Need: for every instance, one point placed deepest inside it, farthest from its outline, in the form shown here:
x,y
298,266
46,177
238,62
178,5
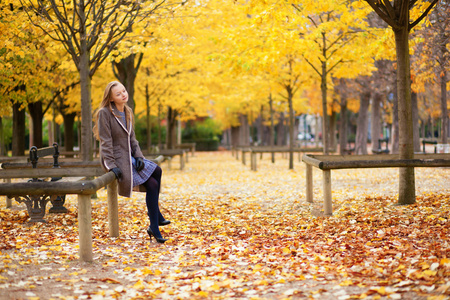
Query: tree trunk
x,y
281,131
407,193
272,127
395,128
291,129
362,124
376,120
69,138
323,88
85,86
149,124
244,131
444,110
343,125
415,118
171,138
125,71
37,115
235,136
3,151
333,125
18,132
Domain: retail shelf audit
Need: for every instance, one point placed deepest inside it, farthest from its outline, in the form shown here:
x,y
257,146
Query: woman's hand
x,y
117,172
140,164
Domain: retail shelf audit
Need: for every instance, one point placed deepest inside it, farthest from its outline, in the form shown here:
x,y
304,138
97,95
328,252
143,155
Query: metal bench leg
x,y
113,209
243,158
181,162
309,184
85,228
327,203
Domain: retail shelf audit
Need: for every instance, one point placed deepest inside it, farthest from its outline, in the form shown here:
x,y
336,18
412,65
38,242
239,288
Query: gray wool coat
x,y
117,144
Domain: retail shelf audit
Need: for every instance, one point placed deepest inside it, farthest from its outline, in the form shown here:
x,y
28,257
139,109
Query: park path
x,y
239,234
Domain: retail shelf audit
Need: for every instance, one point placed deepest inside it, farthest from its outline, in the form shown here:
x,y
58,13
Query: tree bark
x,y
376,120
149,124
362,124
407,193
85,86
444,110
415,121
37,115
125,71
171,139
333,126
281,130
395,128
18,136
69,137
3,151
343,137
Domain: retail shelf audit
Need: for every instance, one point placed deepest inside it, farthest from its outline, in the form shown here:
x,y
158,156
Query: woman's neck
x,y
120,107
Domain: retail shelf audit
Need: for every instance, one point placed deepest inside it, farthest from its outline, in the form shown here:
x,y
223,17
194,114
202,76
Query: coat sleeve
x,y
106,143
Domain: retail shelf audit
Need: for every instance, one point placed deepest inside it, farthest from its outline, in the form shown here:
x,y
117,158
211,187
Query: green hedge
x,y
204,144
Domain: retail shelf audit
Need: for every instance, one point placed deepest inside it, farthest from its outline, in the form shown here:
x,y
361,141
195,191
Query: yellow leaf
x,y
139,285
346,283
202,294
214,287
157,272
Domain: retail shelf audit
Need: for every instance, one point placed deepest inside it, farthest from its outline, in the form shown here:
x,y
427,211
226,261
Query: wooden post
x,y
181,161
252,161
327,203
113,209
85,228
309,184
8,200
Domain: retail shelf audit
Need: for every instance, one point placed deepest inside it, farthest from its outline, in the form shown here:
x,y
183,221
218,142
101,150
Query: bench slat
x,y
52,172
82,187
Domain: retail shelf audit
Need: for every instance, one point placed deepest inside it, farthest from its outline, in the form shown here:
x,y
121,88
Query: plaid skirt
x,y
142,176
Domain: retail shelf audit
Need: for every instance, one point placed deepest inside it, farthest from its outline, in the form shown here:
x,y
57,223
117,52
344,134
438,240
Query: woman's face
x,y
119,95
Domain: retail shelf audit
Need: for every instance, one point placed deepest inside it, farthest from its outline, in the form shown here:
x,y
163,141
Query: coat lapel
x,y
116,113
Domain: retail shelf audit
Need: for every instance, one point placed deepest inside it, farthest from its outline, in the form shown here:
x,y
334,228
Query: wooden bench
x,y
262,149
169,154
428,142
380,150
83,188
188,147
333,162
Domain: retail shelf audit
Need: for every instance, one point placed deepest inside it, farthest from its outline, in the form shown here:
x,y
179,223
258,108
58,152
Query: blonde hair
x,y
106,102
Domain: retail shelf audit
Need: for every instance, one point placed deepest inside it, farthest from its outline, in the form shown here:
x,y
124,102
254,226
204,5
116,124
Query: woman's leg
x,y
152,199
157,174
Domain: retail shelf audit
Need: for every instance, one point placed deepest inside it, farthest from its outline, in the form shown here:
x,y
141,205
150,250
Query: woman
x,y
120,153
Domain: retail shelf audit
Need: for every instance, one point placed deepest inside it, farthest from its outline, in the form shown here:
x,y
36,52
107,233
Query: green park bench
x,y
380,150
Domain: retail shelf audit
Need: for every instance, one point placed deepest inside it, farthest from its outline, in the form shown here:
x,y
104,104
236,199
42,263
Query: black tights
x,y
153,185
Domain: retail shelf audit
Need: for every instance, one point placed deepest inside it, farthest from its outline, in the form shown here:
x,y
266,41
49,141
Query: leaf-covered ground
x,y
244,235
